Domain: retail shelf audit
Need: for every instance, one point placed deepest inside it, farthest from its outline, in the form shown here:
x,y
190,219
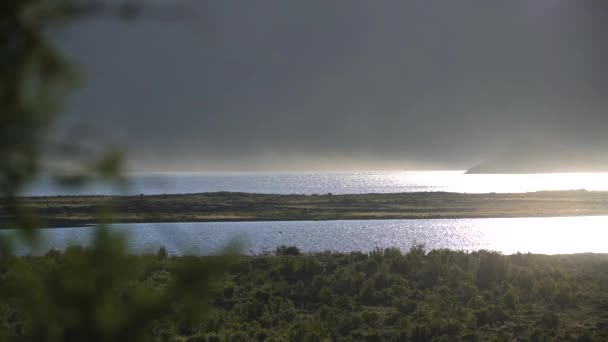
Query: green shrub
x,y
287,250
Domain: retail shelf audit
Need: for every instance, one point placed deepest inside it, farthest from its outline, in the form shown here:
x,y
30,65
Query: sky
x,y
346,84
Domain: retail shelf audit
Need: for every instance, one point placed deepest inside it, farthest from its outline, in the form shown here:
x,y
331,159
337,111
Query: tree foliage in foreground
x,y
87,294
384,295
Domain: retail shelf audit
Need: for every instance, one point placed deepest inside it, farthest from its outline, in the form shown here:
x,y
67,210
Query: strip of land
x,y
69,211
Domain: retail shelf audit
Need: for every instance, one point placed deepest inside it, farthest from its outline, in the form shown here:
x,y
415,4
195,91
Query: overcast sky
x,y
317,84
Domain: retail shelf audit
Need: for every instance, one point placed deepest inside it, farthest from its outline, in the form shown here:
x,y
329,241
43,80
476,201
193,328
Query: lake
x,y
537,235
336,183
556,235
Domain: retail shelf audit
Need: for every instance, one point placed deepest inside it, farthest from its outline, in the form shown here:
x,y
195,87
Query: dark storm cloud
x,y
333,84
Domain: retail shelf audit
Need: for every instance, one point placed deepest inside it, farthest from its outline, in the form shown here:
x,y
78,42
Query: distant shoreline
x,y
72,211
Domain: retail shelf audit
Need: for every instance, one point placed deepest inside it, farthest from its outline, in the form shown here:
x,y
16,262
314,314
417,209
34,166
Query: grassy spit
x,y
67,211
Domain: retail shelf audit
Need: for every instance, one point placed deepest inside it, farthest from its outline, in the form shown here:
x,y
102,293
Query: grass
x,y
69,211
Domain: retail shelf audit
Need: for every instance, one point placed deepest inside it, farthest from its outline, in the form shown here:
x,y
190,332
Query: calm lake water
x,y
507,235
336,183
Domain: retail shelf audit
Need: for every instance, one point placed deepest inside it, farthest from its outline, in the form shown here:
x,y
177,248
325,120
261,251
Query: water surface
x,y
336,183
555,235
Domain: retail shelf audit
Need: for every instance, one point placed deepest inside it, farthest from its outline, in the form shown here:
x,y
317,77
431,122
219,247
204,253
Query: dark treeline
x,y
384,295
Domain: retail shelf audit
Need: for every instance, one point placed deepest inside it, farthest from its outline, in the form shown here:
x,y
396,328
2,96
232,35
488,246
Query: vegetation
x,y
96,294
224,206
79,295
384,295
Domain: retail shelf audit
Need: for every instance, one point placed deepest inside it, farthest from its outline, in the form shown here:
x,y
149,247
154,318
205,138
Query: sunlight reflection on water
x,y
338,183
555,235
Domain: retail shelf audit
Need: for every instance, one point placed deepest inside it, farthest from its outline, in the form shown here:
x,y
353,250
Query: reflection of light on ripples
x,y
549,235
528,183
508,235
342,183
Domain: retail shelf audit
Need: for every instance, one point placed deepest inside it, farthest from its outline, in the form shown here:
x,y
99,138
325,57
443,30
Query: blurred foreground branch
x,y
83,294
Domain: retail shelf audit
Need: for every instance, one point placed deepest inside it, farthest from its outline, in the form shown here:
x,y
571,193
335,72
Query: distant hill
x,y
535,157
